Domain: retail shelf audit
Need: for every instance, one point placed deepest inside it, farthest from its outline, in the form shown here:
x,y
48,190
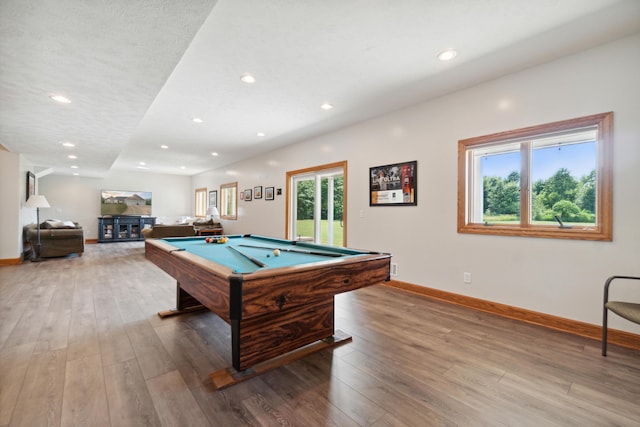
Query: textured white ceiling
x,y
139,71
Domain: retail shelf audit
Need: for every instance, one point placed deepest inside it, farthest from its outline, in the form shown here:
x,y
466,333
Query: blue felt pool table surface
x,y
291,253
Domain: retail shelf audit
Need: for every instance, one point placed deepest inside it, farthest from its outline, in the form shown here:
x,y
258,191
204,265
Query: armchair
x,y
624,309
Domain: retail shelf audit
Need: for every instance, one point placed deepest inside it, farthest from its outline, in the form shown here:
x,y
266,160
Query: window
x,y
552,180
315,210
229,201
201,202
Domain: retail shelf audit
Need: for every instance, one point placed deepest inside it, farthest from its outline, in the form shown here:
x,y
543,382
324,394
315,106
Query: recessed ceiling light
x,y
447,54
68,144
326,106
60,98
248,78
73,167
76,174
261,134
164,147
72,156
214,154
142,163
183,167
197,120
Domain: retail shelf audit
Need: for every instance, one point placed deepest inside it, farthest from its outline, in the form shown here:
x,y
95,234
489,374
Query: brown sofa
x,y
209,224
160,231
57,238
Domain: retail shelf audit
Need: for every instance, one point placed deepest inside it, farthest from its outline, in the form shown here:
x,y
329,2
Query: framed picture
x,y
394,185
257,192
268,193
213,199
247,195
242,195
31,184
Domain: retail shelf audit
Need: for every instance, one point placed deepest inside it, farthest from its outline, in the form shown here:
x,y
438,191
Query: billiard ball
x,y
276,252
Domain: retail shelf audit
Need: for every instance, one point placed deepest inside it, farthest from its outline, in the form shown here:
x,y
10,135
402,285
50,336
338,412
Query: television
x,y
116,202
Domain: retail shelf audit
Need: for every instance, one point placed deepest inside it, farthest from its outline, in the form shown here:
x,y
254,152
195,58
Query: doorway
x,y
316,209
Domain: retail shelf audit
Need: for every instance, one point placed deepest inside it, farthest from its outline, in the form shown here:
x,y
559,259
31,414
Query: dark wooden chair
x,y
624,309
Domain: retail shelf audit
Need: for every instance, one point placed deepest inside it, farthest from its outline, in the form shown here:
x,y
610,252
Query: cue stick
x,y
250,258
300,251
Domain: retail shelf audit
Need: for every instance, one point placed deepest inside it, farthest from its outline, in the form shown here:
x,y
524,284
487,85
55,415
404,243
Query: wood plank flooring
x,y
81,345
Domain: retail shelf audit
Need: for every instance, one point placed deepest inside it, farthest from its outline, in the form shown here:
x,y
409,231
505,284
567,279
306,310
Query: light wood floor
x,y
81,345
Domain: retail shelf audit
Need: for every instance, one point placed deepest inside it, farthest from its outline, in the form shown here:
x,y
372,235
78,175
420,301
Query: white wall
x,y
13,213
553,276
78,199
10,237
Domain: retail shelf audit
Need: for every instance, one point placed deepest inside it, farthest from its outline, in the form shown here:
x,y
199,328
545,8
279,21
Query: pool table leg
x,y
185,303
275,339
229,376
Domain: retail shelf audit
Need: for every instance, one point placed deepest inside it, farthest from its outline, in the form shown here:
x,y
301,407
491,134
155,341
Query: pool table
x,y
274,304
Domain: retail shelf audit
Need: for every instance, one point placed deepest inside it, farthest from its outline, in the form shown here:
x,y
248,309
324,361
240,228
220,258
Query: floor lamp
x,y
37,201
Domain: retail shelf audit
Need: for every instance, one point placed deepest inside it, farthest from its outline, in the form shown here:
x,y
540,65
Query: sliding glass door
x,y
316,210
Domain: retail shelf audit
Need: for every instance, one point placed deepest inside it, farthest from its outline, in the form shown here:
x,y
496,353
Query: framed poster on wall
x,y
394,185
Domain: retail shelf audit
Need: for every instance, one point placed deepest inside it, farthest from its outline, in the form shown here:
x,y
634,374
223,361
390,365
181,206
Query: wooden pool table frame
x,y
273,311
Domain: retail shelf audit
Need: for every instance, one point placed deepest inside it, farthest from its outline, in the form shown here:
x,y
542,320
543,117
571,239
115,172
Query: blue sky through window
x,y
579,159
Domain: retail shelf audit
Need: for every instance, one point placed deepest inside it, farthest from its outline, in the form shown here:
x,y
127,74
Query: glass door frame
x,y
291,204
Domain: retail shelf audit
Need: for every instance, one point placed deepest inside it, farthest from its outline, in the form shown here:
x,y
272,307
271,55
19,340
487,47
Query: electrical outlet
x,y
467,278
394,269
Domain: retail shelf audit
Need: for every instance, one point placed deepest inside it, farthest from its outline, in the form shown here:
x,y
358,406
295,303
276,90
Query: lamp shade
x,y
213,211
37,201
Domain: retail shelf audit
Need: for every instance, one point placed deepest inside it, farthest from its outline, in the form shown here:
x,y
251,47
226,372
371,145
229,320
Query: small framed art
x,y
31,184
257,192
213,199
247,195
268,193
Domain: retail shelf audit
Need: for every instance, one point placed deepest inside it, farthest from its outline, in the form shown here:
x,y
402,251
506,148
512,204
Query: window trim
x,y
602,231
223,201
